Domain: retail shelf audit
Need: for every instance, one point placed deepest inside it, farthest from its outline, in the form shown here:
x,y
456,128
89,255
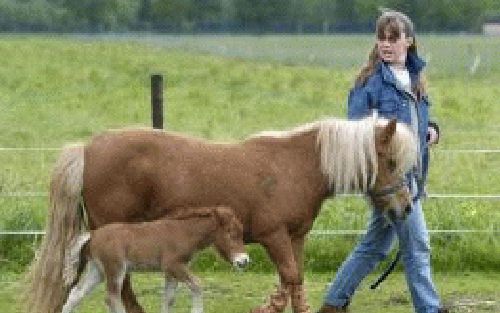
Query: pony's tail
x,y
74,262
46,290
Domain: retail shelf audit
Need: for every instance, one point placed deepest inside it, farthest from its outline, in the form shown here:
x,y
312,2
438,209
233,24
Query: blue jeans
x,y
376,245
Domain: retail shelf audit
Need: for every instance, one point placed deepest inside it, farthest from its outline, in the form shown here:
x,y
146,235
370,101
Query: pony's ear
x,y
389,131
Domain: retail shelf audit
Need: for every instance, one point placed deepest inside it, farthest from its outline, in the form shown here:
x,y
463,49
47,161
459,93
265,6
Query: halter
x,y
389,190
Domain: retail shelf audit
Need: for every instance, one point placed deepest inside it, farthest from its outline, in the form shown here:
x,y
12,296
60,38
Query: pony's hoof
x,y
262,309
304,309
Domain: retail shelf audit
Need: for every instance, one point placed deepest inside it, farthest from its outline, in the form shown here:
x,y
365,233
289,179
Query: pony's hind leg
x,y
115,274
91,278
169,297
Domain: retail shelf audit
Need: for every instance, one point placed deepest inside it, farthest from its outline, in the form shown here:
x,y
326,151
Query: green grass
x,y
57,90
239,292
340,52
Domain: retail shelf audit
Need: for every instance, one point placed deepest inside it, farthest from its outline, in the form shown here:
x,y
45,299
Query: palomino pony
x,y
274,181
167,244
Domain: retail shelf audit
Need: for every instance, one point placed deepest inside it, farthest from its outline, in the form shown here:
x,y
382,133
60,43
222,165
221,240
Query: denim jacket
x,y
381,92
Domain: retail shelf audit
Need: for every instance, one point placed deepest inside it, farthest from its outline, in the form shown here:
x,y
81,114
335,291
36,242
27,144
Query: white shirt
x,y
403,80
402,77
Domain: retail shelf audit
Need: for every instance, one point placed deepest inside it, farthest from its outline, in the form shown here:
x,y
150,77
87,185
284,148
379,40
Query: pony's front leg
x,y
297,292
279,247
169,296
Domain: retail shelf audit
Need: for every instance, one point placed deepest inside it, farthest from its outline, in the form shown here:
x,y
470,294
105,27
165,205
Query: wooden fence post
x,y
157,100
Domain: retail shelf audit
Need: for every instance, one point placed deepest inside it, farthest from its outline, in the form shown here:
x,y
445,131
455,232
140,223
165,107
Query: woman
x,y
391,84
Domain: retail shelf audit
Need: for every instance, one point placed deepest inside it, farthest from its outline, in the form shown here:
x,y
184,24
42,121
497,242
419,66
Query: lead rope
x,y
387,271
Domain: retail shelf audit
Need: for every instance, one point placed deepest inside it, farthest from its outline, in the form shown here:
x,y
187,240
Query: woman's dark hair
x,y
394,23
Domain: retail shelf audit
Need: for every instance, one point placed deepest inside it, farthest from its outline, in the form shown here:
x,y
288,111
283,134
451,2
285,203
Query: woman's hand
x,y
432,136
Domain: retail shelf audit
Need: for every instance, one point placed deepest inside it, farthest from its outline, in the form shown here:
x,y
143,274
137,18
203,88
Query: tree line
x,y
235,16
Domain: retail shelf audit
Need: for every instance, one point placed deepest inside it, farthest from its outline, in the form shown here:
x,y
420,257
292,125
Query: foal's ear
x,y
224,215
389,131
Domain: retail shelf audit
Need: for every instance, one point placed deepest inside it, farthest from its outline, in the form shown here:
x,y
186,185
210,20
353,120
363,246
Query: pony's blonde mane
x,y
286,133
348,155
347,150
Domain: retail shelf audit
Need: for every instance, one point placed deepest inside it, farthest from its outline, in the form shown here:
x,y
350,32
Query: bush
x,y
17,251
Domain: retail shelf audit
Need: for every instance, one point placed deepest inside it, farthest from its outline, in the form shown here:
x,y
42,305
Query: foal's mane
x,y
184,213
347,150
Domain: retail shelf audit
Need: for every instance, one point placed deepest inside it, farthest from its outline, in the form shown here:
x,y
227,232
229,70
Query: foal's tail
x,y
74,262
47,290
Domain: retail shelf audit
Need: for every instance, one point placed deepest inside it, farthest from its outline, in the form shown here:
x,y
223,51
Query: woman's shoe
x,y
333,309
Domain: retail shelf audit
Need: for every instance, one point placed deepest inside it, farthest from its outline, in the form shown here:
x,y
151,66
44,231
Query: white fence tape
x,y
334,232
30,194
469,150
316,232
21,149
41,149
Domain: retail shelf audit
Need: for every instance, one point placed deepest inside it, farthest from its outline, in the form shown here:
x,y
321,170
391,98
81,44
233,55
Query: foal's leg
x,y
196,294
115,274
91,278
127,294
169,297
181,273
128,297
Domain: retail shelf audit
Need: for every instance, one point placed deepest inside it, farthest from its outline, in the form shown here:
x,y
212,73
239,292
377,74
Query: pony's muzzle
x,y
241,260
399,213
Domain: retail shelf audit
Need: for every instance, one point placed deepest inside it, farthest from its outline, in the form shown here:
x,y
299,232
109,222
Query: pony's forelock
x,y
403,147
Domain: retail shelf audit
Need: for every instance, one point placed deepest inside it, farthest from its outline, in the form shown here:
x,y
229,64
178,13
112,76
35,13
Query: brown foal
x,y
167,244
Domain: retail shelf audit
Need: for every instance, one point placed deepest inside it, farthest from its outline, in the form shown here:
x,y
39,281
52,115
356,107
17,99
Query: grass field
x,y
239,292
57,90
